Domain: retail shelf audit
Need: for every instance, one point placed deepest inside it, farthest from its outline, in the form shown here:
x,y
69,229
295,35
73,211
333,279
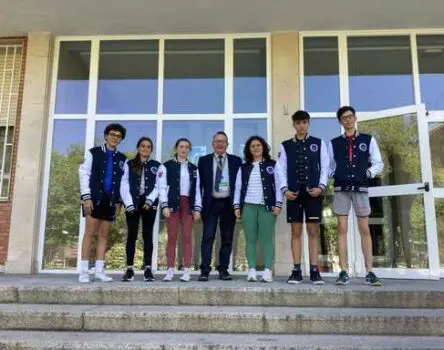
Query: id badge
x,y
223,186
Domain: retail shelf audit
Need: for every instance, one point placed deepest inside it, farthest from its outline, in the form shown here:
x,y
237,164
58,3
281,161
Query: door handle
x,y
426,187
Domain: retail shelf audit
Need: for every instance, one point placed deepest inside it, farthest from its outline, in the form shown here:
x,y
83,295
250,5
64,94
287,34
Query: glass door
x,y
402,222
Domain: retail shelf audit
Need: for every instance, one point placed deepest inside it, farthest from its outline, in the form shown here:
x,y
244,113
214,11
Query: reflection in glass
x,y
199,133
380,72
397,226
243,129
72,77
115,255
250,76
431,70
439,207
194,76
128,73
436,136
397,138
327,129
321,74
63,207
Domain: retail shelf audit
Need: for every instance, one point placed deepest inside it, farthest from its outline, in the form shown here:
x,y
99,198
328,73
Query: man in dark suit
x,y
218,172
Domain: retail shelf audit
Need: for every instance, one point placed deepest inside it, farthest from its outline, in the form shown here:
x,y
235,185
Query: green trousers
x,y
259,225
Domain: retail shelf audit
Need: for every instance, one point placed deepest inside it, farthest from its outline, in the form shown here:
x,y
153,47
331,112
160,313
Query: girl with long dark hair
x,y
139,192
258,201
181,202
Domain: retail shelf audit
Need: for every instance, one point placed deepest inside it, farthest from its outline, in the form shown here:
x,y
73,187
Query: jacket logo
x,y
154,170
363,147
270,169
122,164
314,148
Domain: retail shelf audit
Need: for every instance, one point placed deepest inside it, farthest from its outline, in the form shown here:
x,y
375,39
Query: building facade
x,y
61,82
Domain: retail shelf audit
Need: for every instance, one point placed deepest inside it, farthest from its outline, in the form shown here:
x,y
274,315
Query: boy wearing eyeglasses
x,y
100,176
354,159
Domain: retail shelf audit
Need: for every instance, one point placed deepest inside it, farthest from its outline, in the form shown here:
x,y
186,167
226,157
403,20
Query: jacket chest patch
x,y
363,147
270,169
314,148
154,170
121,164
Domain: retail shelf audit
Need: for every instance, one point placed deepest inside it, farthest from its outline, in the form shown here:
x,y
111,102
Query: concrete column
x,y
285,101
25,216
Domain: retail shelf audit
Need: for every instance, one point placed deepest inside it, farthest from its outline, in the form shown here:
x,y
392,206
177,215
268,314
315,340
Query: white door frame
x,y
433,272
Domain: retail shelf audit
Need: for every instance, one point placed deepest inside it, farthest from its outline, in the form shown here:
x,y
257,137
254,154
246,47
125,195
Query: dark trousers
x,y
132,221
220,210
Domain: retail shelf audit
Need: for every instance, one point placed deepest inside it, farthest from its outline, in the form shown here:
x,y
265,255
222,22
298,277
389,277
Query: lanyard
x,y
221,168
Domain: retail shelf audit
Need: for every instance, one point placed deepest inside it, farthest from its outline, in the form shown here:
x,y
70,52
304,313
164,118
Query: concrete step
x,y
66,290
14,340
219,319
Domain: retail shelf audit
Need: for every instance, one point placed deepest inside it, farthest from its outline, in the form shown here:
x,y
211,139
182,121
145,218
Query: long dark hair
x,y
137,162
265,149
182,139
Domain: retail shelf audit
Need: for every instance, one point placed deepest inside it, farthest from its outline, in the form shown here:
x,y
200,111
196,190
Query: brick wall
x,y
6,206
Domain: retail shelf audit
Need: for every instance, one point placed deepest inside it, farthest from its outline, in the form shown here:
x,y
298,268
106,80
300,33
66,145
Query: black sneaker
x,y
315,277
372,280
224,275
204,277
295,277
128,276
148,275
343,278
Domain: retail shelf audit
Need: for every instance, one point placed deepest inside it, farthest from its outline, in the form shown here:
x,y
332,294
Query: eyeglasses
x,y
221,142
115,135
347,116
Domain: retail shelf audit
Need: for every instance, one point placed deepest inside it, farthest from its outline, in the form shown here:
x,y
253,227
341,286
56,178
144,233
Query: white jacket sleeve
x,y
377,165
237,189
279,195
281,169
125,193
85,174
155,192
163,186
332,164
198,199
325,166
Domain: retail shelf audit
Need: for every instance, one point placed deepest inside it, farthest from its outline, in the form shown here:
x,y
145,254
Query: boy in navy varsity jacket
x,y
100,176
303,166
354,158
139,191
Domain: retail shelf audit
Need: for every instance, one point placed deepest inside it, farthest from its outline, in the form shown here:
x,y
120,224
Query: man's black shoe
x,y
225,276
204,276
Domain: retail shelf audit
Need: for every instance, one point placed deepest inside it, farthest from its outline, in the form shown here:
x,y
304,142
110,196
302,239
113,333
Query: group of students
x,y
221,189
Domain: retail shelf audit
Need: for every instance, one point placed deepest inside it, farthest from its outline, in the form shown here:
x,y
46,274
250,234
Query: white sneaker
x,y
252,275
102,276
84,277
186,275
267,276
169,275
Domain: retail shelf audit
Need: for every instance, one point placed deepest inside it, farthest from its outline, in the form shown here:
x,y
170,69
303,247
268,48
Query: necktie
x,y
218,173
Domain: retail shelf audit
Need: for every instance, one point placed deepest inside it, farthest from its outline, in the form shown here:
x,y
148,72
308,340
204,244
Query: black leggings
x,y
132,221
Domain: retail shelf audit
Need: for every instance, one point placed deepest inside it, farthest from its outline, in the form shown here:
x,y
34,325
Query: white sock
x,y
84,265
99,265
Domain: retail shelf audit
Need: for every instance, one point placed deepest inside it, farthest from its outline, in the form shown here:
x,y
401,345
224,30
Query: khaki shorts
x,y
342,203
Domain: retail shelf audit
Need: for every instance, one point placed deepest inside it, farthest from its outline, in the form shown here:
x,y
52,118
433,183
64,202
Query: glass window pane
x,y
397,138
72,77
250,76
243,129
63,210
321,74
431,70
134,131
380,72
115,254
200,133
194,76
436,136
397,227
439,207
128,75
325,128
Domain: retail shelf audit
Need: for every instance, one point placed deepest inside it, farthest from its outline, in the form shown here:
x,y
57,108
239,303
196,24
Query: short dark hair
x,y
220,133
265,149
300,115
344,109
115,127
